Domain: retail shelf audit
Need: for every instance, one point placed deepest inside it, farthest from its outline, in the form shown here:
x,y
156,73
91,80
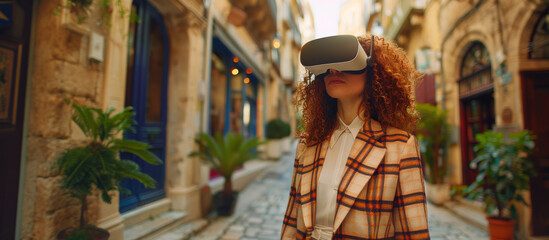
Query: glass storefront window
x,y
246,116
130,58
236,84
236,103
218,95
156,67
250,90
236,113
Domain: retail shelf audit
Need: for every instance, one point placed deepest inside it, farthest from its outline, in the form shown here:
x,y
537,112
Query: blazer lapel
x,y
312,162
364,158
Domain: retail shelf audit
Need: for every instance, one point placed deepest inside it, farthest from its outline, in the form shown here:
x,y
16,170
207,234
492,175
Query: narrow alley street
x,y
260,211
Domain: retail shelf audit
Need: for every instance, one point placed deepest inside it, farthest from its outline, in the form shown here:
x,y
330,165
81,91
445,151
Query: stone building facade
x,y
495,61
62,68
155,55
491,70
352,18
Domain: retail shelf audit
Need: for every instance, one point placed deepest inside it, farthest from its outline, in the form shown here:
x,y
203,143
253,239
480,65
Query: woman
x,y
357,173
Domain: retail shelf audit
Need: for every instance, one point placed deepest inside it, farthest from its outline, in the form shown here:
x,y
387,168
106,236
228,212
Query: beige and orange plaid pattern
x,y
381,194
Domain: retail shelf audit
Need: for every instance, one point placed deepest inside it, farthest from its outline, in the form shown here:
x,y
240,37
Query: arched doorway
x,y
146,91
476,93
535,93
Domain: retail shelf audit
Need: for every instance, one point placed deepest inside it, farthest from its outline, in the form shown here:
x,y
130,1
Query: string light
x,y
246,80
236,60
249,71
276,43
234,71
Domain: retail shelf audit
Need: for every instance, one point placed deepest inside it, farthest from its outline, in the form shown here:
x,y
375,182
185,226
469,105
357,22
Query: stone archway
x,y
476,98
454,50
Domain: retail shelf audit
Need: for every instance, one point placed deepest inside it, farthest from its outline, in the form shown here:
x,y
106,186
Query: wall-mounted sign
x,y
506,78
6,13
427,61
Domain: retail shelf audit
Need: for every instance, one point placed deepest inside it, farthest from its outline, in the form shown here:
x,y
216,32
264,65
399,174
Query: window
x,y
476,103
539,44
218,95
476,71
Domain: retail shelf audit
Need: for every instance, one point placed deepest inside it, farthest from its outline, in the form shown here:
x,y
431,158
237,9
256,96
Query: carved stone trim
x,y
185,20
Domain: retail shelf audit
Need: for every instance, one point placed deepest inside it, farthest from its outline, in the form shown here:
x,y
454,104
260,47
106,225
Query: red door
x,y
477,116
535,86
14,51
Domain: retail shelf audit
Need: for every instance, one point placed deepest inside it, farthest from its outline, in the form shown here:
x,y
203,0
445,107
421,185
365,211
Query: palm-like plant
x,y
226,153
504,170
433,133
97,163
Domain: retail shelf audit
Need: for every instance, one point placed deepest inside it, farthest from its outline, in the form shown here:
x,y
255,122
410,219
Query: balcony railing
x,y
401,15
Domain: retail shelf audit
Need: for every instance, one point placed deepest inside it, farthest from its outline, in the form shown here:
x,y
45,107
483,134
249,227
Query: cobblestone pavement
x,y
260,211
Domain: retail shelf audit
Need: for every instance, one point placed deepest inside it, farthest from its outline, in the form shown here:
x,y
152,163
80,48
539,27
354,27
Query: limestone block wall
x,y
351,21
503,40
506,37
61,70
184,110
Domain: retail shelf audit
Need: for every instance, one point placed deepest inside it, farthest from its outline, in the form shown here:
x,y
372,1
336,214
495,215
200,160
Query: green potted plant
x,y
97,164
224,154
504,170
433,134
276,131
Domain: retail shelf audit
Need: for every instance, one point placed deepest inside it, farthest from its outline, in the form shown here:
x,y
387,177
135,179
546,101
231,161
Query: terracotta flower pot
x,y
501,229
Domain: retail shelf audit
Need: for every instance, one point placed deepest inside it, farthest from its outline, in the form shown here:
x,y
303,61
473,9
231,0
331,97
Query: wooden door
x,y
535,86
15,28
477,116
146,91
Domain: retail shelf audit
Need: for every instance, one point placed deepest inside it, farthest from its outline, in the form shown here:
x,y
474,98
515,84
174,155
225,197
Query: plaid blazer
x,y
381,194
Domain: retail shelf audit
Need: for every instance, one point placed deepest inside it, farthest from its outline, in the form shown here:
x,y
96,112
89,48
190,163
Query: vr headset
x,y
342,52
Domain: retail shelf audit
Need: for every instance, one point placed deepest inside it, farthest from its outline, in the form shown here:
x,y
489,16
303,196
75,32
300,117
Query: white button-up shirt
x,y
341,143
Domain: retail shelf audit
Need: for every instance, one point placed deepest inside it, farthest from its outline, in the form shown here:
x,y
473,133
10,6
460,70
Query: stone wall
x,y
481,25
61,70
184,108
506,43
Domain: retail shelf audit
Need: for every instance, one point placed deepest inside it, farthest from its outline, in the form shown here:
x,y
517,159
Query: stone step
x,y
469,211
184,231
154,226
145,212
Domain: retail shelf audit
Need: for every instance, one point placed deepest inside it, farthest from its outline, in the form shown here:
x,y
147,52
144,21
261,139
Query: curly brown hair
x,y
389,100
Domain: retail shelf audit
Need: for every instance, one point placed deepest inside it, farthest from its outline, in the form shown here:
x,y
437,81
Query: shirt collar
x,y
354,128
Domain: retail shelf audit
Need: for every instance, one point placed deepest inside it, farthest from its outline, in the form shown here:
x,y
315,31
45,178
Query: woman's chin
x,y
341,94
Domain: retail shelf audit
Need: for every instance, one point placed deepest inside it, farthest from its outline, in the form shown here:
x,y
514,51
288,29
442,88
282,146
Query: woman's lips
x,y
334,82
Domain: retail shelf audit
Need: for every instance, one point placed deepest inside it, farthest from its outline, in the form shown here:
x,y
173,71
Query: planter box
x,y
286,144
273,149
437,193
225,205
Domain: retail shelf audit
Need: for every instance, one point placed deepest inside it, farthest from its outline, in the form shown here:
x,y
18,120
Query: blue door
x,y
146,91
